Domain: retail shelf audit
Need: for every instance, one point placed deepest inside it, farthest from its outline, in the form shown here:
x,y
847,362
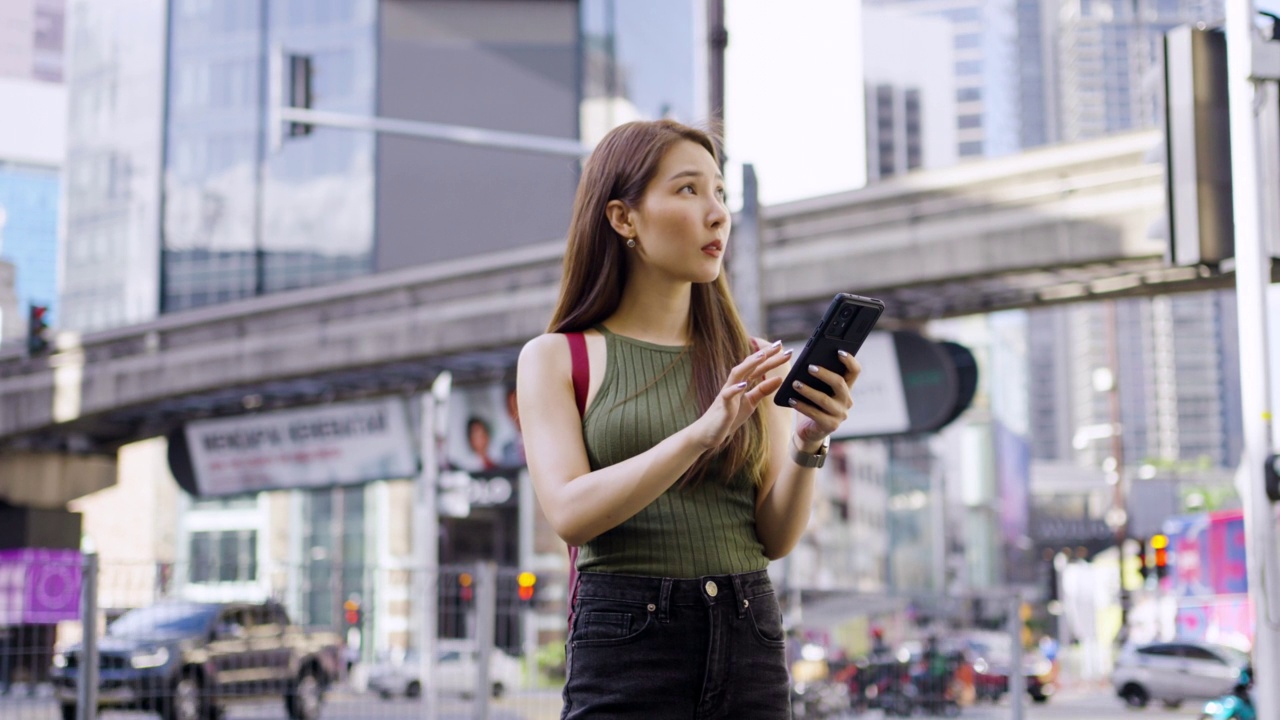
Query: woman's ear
x,y
620,218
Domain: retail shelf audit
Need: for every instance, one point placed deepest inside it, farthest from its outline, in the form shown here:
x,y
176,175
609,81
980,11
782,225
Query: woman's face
x,y
682,225
478,436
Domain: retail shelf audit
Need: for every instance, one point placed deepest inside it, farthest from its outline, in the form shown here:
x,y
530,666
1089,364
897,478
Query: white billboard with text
x,y
338,444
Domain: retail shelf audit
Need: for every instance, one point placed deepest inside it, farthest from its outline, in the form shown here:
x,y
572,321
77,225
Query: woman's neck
x,y
653,310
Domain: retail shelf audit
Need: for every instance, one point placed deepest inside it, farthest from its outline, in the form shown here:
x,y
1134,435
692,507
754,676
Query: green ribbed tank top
x,y
687,532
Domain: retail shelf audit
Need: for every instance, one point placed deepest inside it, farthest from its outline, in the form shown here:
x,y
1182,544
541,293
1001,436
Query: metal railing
x,y
282,642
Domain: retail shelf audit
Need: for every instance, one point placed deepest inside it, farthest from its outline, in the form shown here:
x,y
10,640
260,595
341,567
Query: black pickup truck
x,y
187,660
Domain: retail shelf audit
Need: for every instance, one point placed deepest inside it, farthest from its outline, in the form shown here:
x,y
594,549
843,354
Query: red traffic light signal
x,y
37,329
466,591
1160,544
526,581
351,611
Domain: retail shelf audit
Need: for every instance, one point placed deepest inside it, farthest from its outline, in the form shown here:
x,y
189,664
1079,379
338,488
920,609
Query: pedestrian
x,y
657,448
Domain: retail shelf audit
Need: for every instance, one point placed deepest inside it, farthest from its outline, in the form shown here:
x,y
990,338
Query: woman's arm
x,y
581,504
784,502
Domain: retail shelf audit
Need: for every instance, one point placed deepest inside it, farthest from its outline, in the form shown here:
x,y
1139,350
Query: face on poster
x,y
483,431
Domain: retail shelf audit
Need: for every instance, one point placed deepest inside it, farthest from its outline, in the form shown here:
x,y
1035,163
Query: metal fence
x,y
205,643
228,640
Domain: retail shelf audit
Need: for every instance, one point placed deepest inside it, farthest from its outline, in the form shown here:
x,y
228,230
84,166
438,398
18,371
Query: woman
x,y
680,479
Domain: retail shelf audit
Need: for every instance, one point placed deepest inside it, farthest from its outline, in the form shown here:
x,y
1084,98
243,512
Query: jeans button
x,y
711,588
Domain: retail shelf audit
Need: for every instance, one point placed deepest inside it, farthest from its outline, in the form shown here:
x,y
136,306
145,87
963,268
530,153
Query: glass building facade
x,y
240,220
642,61
985,51
29,232
115,93
174,171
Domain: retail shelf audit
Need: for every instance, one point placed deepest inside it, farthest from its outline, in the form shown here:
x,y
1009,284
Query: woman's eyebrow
x,y
693,173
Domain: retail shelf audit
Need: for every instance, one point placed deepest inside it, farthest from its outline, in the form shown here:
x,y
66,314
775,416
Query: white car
x,y
1172,672
456,671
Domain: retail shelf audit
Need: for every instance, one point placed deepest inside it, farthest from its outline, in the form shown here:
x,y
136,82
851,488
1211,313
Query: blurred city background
x,y
257,374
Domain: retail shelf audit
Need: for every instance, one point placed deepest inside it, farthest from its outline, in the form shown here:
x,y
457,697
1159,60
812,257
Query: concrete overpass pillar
x,y
50,480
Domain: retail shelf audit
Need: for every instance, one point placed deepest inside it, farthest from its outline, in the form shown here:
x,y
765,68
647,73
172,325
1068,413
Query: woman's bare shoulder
x,y
549,351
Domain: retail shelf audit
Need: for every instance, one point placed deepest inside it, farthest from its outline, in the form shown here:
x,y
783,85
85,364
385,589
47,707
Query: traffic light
x,y
37,329
1273,478
526,581
351,611
1160,544
1143,569
466,591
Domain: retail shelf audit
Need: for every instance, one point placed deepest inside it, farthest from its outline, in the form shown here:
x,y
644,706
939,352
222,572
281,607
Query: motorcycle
x,y
819,699
1234,706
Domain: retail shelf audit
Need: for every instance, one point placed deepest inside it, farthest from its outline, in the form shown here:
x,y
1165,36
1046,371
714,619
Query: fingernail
x,y
842,353
776,343
787,353
791,402
741,384
797,385
813,369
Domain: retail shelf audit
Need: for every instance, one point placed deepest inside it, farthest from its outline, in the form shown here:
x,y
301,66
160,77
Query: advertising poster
x,y
483,451
337,444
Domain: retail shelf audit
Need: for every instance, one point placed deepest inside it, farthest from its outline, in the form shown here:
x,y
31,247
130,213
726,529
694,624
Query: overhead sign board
x,y
879,401
339,444
908,385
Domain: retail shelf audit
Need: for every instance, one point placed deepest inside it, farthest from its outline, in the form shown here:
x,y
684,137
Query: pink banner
x,y
39,586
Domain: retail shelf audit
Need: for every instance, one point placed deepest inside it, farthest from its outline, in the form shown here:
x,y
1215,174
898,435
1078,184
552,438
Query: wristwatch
x,y
810,460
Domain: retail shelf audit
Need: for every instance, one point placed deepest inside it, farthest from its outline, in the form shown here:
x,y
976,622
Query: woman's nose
x,y
718,214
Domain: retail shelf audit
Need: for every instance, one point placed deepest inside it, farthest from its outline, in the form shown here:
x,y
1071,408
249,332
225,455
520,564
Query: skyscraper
x,y
32,152
115,74
31,39
910,101
1178,381
984,42
1108,60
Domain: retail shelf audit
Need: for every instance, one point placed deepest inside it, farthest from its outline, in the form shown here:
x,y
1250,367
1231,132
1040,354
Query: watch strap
x,y
810,460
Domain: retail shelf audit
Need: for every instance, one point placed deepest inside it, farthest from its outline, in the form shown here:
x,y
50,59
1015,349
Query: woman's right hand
x,y
747,385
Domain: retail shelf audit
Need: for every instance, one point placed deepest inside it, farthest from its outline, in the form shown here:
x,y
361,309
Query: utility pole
x,y
1247,71
1119,516
717,41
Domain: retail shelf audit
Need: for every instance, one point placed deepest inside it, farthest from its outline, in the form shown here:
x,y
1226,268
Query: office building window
x,y
224,556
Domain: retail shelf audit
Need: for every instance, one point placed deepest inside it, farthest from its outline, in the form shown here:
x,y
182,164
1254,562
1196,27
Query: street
x,y
545,705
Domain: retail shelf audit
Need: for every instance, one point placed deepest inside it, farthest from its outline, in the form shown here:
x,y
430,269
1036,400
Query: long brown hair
x,y
595,271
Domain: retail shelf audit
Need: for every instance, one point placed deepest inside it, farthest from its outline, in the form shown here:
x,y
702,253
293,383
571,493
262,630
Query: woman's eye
x,y
687,187
722,194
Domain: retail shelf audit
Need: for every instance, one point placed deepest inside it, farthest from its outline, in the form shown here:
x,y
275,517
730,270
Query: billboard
x,y
909,385
39,586
338,444
1209,578
483,451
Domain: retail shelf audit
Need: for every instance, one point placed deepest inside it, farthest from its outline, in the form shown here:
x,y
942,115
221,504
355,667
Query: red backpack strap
x,y
581,379
581,369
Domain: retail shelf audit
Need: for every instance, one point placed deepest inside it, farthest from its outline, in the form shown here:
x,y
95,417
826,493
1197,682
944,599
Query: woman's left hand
x,y
824,415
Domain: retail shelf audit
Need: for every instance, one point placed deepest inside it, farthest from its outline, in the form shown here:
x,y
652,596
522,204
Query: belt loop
x,y
664,601
739,594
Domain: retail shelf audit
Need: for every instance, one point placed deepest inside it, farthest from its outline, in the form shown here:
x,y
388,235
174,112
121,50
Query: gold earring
x,y
631,242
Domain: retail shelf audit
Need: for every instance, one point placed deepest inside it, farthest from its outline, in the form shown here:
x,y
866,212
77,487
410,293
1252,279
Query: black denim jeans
x,y
648,647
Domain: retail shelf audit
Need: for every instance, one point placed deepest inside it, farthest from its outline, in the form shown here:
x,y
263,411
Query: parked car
x,y
456,671
186,660
1172,672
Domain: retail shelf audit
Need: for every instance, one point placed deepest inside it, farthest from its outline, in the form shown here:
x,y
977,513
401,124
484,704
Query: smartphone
x,y
845,326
